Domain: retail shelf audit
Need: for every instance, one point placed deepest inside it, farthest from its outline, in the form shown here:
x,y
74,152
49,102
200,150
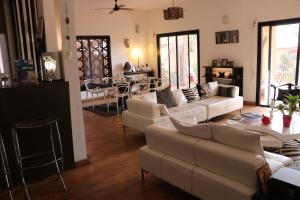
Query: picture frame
x,y
219,63
224,62
214,62
230,63
227,37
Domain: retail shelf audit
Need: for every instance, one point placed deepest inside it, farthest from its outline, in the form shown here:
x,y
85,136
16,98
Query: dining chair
x,y
144,86
135,88
122,91
93,88
156,83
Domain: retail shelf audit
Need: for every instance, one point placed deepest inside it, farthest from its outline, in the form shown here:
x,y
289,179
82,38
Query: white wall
x,y
206,15
54,12
119,26
71,74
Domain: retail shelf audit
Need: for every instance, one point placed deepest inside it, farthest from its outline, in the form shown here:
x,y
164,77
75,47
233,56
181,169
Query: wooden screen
x,y
94,59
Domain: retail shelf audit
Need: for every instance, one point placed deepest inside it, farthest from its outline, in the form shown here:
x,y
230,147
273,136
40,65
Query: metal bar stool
x,y
5,172
43,123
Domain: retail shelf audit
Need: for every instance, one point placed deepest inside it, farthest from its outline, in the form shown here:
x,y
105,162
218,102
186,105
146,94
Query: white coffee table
x,y
274,134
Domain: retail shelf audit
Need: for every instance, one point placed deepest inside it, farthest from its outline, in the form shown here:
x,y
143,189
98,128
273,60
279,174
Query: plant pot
x,y
287,121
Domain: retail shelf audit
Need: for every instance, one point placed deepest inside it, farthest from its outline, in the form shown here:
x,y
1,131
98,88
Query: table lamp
x,y
50,67
137,53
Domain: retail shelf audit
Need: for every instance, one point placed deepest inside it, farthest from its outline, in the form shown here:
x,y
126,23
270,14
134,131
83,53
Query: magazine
x,y
251,115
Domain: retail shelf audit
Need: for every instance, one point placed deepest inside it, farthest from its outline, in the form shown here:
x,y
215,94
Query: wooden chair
x,y
95,91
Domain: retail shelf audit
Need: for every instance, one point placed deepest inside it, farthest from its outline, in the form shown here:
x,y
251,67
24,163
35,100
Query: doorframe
x,y
259,56
172,34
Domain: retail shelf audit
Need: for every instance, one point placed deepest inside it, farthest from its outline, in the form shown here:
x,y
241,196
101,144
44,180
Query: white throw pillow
x,y
213,88
179,97
164,110
150,97
195,130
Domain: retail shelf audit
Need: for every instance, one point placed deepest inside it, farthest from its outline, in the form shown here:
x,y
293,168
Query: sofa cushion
x,y
227,161
164,110
213,88
145,109
190,94
220,105
274,165
171,142
237,138
286,161
203,90
189,111
225,91
235,89
179,97
165,97
150,97
195,130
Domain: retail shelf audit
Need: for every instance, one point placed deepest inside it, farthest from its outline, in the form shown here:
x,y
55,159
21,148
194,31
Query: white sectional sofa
x,y
222,166
141,113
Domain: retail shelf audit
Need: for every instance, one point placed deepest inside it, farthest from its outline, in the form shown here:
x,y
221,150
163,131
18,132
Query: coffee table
x,y
272,135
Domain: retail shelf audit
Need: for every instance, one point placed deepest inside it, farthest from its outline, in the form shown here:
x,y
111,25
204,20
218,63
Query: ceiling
x,y
141,4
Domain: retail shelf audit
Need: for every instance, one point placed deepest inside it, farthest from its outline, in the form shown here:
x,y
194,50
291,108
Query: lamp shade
x,y
173,13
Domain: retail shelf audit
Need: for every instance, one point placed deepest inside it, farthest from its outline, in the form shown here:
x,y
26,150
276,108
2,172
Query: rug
x,y
102,110
290,149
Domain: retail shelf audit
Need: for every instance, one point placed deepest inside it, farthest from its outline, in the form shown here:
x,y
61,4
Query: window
x,y
278,57
179,58
94,59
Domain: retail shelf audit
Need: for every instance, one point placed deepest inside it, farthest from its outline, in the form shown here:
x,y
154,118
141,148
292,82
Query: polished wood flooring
x,y
113,172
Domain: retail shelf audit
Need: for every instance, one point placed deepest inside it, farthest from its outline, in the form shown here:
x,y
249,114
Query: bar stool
x,y
5,172
17,128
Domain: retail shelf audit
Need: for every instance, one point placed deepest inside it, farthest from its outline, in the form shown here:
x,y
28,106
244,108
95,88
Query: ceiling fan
x,y
116,8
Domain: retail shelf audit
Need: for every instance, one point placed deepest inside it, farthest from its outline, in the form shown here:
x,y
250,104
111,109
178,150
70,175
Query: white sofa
x,y
141,113
222,167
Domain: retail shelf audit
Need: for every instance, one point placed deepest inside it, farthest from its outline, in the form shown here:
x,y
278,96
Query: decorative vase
x,y
287,121
265,120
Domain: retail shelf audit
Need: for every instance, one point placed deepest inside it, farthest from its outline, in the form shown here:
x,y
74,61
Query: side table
x,y
285,184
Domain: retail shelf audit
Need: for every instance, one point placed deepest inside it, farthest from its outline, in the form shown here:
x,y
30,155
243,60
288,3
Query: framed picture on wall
x,y
227,37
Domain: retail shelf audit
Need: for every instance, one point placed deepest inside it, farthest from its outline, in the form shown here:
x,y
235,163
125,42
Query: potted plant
x,y
288,107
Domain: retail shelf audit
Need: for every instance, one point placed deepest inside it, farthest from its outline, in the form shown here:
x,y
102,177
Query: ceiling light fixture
x,y
173,13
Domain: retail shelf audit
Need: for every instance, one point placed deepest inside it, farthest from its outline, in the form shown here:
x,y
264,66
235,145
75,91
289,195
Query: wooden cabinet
x,y
225,75
31,102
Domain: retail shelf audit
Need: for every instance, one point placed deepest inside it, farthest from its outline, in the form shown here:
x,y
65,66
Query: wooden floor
x,y
113,172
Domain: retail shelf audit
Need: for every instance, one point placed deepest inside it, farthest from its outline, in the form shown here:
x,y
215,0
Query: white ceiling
x,y
140,4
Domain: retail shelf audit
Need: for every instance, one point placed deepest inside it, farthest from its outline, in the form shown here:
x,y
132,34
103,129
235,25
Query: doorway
x,y
179,58
278,57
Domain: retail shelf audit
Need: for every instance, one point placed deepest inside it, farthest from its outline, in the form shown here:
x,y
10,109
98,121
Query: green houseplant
x,y
288,107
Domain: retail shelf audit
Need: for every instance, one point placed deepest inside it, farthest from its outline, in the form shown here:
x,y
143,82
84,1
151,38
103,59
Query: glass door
x,y
278,53
178,58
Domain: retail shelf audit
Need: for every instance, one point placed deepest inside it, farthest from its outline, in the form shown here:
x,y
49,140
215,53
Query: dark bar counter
x,y
32,102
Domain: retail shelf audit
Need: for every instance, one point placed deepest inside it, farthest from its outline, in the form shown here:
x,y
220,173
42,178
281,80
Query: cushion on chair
x,y
196,130
165,97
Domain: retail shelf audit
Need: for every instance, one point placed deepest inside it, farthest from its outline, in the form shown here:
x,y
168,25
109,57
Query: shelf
x,y
220,67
